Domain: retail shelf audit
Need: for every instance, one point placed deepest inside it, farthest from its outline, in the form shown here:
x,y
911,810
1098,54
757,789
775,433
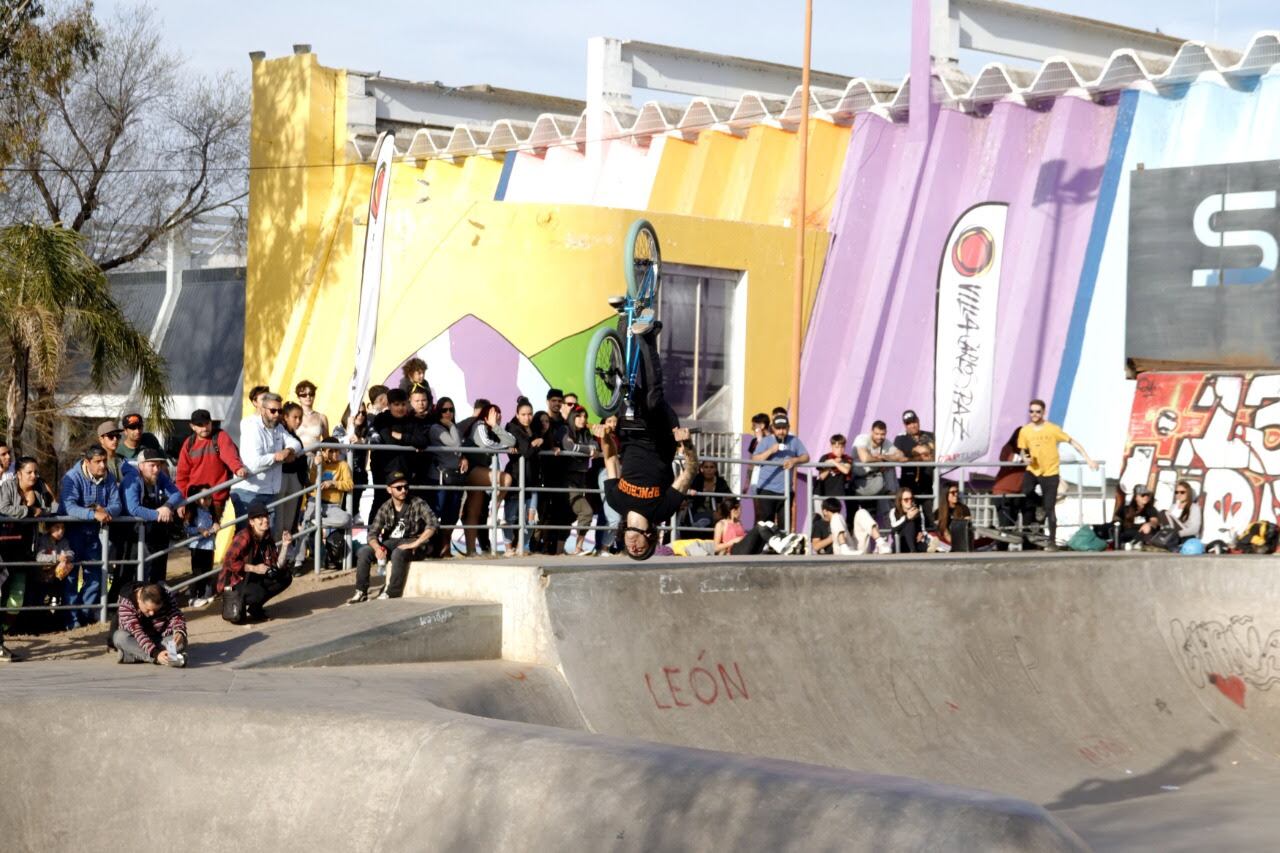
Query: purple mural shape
x,y
869,351
470,360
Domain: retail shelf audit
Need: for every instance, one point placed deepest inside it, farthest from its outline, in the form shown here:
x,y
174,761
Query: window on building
x,y
696,306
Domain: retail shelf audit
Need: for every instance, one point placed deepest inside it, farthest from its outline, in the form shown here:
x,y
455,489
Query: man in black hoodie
x,y
394,426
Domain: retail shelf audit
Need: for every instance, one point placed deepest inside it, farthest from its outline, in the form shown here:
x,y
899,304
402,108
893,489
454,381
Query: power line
x,y
158,170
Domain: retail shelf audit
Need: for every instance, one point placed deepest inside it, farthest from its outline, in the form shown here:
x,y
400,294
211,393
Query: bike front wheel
x,y
605,377
642,263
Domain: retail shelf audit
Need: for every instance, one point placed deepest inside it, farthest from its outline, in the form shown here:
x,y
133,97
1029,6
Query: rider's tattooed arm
x,y
690,454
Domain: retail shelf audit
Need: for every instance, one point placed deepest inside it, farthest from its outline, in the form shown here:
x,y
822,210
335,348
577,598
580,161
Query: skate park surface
x,y
1014,701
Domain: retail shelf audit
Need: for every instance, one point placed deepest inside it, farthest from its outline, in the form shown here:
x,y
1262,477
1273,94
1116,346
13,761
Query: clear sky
x,y
541,46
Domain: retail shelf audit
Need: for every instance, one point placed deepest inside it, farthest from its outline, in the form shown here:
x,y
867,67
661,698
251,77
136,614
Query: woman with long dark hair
x,y
907,521
581,447
729,530
487,433
448,468
1184,515
955,521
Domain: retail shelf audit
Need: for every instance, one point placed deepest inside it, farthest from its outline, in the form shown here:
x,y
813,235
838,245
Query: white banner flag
x,y
371,269
964,365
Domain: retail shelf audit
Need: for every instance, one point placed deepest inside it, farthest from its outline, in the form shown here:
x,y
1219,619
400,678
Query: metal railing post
x,y
104,545
1082,471
141,534
495,477
787,485
523,519
318,507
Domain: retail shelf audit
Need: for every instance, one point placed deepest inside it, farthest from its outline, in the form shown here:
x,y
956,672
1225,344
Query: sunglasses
x,y
449,410
306,394
1036,411
1180,492
273,411
397,488
112,436
908,499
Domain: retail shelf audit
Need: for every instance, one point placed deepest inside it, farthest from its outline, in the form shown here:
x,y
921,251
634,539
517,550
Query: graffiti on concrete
x,y
705,683
1220,431
1230,656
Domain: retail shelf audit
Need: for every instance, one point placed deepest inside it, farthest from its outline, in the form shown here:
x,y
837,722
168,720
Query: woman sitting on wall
x,y
955,522
1184,515
907,522
729,530
1138,519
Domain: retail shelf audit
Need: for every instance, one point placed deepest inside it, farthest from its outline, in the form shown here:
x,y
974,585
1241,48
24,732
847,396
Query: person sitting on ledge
x,y
253,560
399,530
152,628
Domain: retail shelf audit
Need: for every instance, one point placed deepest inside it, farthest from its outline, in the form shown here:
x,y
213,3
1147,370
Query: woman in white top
x,y
1184,515
315,426
839,539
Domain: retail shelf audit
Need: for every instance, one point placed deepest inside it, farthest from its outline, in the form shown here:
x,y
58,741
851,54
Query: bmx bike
x,y
613,357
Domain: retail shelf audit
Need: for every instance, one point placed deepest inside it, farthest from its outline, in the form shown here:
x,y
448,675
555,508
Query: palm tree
x,y
53,294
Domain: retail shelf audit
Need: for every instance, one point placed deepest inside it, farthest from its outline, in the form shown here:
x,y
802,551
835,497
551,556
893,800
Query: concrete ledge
x,y
383,632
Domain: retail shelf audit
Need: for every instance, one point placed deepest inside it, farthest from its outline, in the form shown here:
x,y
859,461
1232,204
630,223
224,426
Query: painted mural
x,y
498,264
1221,432
873,324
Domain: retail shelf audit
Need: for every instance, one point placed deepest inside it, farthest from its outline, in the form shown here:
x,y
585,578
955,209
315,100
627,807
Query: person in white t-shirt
x,y
838,539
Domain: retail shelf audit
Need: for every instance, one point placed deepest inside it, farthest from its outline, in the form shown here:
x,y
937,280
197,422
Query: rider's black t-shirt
x,y
645,484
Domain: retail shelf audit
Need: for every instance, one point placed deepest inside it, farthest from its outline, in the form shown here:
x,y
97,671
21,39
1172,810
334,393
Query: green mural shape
x,y
563,362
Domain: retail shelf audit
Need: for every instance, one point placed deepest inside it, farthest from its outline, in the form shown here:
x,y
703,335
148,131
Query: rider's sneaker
x,y
645,323
618,304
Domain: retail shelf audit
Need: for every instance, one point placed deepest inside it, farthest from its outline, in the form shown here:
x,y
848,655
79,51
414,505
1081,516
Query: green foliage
x,y
54,293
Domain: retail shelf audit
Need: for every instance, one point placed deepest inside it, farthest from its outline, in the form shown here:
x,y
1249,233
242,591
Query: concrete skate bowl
x,y
1132,695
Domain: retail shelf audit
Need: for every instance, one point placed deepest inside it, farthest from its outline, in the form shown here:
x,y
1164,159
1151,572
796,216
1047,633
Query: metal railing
x,y
520,487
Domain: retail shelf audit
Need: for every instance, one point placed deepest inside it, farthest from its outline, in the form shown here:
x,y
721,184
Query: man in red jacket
x,y
208,456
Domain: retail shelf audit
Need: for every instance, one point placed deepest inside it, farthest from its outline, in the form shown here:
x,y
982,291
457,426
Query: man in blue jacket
x,y
90,493
150,494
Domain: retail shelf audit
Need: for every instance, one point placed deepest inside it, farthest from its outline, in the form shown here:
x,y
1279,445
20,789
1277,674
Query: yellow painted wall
x,y
536,273
751,178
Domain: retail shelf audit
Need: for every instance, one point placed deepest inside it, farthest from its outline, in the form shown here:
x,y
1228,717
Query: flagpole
x,y
797,301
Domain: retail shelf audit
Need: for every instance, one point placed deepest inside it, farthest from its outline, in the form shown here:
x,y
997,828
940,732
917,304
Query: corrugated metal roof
x,y
953,88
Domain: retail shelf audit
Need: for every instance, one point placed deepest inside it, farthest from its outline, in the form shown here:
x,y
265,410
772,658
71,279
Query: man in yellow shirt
x,y
1038,442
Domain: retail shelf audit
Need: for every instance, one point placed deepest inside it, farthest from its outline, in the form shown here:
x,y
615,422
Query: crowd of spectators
x,y
431,470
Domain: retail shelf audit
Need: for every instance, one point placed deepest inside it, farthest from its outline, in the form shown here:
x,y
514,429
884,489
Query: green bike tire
x,y
605,372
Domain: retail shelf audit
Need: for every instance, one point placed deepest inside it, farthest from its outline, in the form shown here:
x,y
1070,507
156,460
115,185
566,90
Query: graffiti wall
x,y
1221,432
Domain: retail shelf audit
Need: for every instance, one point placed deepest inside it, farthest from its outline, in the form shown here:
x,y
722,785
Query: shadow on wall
x,y
1182,769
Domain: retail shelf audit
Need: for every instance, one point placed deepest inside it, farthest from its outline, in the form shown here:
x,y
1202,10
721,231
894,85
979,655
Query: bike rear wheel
x,y
605,376
642,263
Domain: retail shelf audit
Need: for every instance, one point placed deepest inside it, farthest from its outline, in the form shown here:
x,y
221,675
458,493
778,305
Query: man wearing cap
x,y
91,494
779,446
150,494
264,446
109,440
869,448
254,565
208,456
398,533
134,440
916,445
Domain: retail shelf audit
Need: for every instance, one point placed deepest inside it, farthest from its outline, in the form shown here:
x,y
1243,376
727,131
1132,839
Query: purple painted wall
x,y
869,348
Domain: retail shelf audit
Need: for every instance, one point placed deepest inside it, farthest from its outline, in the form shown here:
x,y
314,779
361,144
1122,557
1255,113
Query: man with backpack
x,y
208,455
